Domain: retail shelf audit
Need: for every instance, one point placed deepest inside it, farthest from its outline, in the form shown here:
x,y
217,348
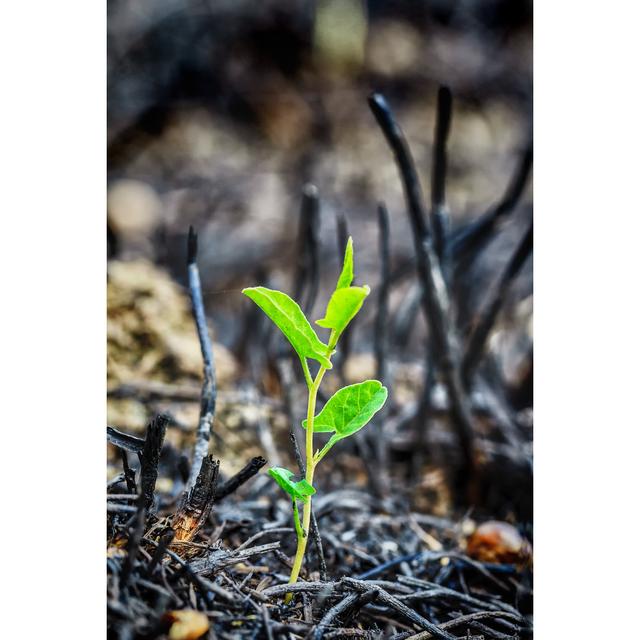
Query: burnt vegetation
x,y
377,566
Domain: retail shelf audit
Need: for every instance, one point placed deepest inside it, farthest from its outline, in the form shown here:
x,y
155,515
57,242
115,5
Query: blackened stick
x,y
208,395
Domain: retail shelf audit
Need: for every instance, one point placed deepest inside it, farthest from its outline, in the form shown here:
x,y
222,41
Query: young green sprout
x,y
346,412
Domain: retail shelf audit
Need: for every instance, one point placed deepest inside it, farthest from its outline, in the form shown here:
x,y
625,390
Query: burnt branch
x,y
308,270
391,601
338,609
165,540
246,473
150,457
466,243
208,395
129,473
197,503
435,300
439,212
133,544
396,140
383,294
221,558
478,338
124,440
380,341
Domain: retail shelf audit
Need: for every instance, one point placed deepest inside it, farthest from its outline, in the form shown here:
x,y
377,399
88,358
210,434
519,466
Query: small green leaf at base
x,y
350,409
300,490
289,318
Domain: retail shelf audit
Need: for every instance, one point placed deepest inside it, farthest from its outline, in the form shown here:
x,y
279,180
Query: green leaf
x,y
289,318
345,301
343,306
350,409
346,277
300,490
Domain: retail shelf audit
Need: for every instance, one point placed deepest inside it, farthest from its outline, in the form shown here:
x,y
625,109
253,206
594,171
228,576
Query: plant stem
x,y
310,468
303,535
296,520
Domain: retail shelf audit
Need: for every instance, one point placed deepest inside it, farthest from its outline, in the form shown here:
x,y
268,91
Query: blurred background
x,y
219,112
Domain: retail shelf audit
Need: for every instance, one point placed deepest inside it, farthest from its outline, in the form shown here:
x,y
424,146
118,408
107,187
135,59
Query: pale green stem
x,y
296,520
310,466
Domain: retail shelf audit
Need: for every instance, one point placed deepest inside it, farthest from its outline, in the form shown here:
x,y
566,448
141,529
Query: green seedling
x,y
346,412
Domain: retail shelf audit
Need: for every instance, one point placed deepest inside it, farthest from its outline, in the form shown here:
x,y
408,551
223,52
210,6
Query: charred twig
x,y
165,540
333,613
432,589
363,600
350,633
198,502
488,632
261,534
115,481
246,473
425,410
439,213
463,620
222,558
133,544
466,243
188,571
478,338
431,556
480,615
208,396
439,224
380,333
326,588
124,440
435,299
317,543
396,140
129,473
397,605
308,252
150,457
383,295
266,621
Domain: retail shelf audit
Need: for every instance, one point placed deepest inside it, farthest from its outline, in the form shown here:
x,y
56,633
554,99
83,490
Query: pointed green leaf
x,y
290,319
350,409
346,300
300,490
343,306
346,277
